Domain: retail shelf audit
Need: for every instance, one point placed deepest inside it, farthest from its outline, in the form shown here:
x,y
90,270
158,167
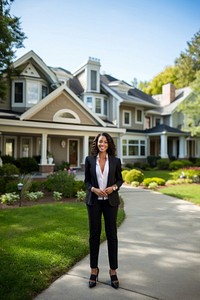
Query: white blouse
x,y
102,177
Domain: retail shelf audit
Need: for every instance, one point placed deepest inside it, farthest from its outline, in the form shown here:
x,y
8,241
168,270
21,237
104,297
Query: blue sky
x,y
132,38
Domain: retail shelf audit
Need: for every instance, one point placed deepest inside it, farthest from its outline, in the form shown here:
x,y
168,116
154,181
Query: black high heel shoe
x,y
114,280
93,279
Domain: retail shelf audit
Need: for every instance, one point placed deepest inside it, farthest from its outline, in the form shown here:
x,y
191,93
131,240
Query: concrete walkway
x,y
159,254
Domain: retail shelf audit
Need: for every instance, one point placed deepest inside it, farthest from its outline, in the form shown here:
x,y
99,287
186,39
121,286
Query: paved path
x,y
159,254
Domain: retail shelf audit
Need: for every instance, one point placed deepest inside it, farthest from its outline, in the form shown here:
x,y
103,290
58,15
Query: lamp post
x,y
20,186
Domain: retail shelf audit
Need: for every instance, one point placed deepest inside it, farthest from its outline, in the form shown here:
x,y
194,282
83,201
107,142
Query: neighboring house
x,y
52,110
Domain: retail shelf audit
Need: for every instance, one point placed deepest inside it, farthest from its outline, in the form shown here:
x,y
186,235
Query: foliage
x,y
12,38
7,159
134,175
9,171
178,164
57,196
9,198
152,160
152,186
34,196
64,166
27,165
81,195
159,181
63,182
135,183
163,164
191,108
187,173
124,172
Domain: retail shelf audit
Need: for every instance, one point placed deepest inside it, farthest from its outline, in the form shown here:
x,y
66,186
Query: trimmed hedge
x,y
159,181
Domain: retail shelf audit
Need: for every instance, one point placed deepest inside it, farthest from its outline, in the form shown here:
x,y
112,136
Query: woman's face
x,y
102,144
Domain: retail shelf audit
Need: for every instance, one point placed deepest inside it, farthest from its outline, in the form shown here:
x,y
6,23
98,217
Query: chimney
x,y
168,93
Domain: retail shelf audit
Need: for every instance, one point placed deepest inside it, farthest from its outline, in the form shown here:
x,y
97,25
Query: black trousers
x,y
110,219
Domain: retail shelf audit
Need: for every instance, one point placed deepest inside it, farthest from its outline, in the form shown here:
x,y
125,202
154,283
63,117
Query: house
x,y
51,110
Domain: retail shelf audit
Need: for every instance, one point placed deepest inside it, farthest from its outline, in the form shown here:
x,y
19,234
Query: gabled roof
x,y
181,95
40,63
47,100
162,128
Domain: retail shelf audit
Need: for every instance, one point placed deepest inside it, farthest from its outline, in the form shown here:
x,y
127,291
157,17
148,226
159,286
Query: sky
x,y
132,38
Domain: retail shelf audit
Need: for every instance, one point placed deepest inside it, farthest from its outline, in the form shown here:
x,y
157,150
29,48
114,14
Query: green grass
x,y
165,174
189,192
39,244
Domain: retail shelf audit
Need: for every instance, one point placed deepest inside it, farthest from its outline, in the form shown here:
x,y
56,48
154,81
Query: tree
x,y
191,108
189,62
11,38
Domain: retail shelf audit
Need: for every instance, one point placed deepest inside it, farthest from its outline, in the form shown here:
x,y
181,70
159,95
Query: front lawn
x,y
189,192
165,174
40,243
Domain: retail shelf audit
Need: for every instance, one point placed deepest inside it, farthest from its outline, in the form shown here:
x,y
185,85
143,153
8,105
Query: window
x,y
89,102
26,147
105,107
93,80
32,92
138,116
44,91
133,147
98,105
157,121
127,118
10,146
18,92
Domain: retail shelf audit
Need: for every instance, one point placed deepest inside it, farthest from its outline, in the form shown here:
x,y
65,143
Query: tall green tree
x,y
189,62
11,39
190,108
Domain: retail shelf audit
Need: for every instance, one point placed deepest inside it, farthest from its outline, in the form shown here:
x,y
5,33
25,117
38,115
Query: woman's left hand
x,y
109,190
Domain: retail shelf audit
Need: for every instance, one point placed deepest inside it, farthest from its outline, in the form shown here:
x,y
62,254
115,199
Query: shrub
x,y
34,196
134,175
188,173
63,182
27,165
163,164
159,181
153,186
9,171
64,166
57,196
152,160
11,186
81,195
36,186
7,159
178,164
9,198
124,172
170,182
135,183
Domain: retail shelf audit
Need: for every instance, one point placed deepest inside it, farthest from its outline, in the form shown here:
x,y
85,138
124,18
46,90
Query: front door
x,y
73,153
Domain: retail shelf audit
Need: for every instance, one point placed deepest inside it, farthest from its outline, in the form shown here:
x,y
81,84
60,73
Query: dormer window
x,y
18,94
93,80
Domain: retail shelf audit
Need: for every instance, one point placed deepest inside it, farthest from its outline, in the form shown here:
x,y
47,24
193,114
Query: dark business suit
x,y
108,208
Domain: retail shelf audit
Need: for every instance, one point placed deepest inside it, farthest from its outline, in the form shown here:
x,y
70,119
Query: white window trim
x,y
139,140
58,118
123,118
13,93
15,139
136,121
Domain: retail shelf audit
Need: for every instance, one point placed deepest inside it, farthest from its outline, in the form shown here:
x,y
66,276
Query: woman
x,y
103,179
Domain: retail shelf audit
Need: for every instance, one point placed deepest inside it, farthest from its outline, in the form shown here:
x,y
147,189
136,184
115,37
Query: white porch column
x,y
44,149
182,147
197,150
163,146
85,147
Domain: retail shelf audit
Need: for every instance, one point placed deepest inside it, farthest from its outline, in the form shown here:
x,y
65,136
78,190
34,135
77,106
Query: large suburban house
x,y
51,110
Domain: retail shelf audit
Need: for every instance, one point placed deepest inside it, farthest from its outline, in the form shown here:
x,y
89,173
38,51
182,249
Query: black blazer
x,y
114,177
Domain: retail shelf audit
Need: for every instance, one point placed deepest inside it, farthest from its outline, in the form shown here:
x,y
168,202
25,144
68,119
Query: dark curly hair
x,y
111,145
